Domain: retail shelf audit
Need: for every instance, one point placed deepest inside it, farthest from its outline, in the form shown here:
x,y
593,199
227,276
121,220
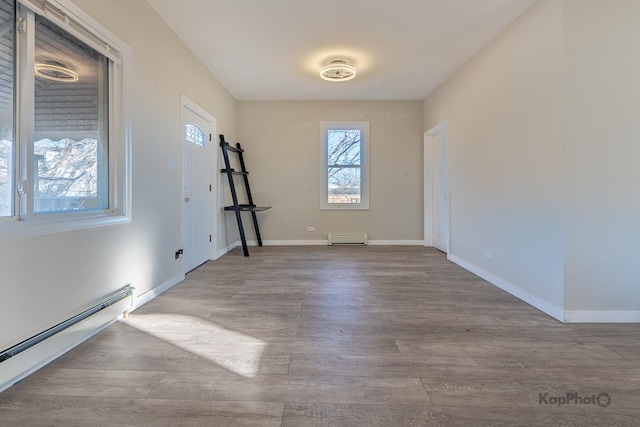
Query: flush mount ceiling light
x,y
55,71
338,71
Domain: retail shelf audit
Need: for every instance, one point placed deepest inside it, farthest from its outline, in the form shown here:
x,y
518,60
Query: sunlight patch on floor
x,y
232,350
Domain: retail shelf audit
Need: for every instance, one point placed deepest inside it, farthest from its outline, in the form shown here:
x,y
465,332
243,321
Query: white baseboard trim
x,y
396,242
555,312
293,243
223,251
326,242
144,298
602,316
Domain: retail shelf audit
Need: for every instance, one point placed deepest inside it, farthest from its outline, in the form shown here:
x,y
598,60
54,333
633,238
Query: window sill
x,y
11,230
345,207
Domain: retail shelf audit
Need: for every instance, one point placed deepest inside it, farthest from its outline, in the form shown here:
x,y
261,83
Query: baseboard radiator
x,y
23,358
348,239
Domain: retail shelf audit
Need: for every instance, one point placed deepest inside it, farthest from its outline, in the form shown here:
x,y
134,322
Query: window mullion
x,y
25,100
103,134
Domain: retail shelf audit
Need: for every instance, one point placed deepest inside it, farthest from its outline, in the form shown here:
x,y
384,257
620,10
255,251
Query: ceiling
x,y
274,49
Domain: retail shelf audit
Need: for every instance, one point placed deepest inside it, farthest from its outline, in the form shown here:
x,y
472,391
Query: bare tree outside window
x,y
344,171
6,157
67,174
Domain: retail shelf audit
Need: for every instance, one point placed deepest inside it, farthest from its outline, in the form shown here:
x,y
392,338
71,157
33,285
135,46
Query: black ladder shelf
x,y
237,207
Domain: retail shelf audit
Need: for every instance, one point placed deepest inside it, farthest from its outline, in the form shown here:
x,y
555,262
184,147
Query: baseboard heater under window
x,y
348,239
61,337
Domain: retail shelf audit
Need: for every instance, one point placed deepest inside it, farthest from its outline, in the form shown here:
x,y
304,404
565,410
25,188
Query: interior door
x,y
199,190
440,192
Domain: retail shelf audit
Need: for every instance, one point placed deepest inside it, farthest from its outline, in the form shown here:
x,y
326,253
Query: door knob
x,y
187,199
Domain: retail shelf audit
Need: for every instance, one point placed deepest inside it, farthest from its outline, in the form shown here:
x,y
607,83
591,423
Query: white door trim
x,y
429,182
428,189
196,109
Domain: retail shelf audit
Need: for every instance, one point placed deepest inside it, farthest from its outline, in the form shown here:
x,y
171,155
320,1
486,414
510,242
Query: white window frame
x,y
364,166
72,19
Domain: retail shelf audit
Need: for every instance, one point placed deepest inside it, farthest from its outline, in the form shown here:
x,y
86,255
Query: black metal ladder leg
x,y
243,239
248,191
255,227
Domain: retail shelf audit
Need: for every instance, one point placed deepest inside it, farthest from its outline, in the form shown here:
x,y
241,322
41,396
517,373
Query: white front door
x,y
440,192
200,154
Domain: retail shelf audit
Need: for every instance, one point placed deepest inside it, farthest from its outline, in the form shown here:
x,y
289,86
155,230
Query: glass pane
x,y
344,185
71,141
66,175
6,107
343,147
195,135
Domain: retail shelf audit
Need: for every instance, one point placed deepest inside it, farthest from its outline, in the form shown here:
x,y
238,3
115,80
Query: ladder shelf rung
x,y
247,208
234,172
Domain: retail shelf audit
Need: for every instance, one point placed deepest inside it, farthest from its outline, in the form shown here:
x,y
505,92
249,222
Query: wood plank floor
x,y
337,336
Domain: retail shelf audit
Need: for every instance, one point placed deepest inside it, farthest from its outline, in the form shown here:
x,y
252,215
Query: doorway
x,y
436,188
199,163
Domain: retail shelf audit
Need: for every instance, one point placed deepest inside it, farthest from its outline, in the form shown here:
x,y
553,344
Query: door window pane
x,y
194,134
6,107
70,168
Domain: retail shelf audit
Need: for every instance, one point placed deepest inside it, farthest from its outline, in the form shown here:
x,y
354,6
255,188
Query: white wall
x,y
284,158
49,278
602,152
505,113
